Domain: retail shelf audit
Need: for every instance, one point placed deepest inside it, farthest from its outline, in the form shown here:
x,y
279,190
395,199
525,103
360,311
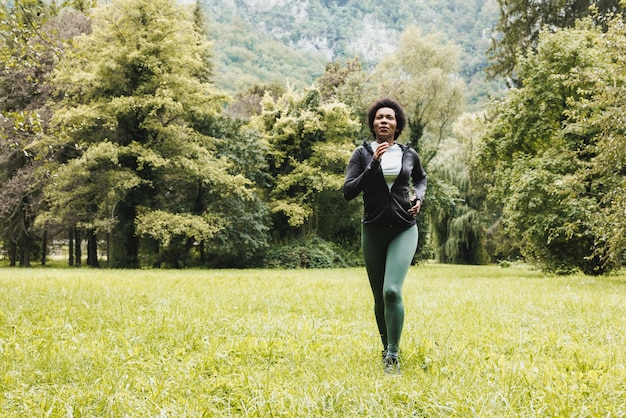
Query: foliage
x,y
603,115
136,87
541,148
309,143
458,223
32,39
147,152
521,23
421,75
308,252
20,181
478,341
247,103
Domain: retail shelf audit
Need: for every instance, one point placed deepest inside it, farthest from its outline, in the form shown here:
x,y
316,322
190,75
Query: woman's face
x,y
385,124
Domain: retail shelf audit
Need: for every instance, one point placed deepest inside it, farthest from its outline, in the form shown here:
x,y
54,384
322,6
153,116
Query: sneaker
x,y
391,365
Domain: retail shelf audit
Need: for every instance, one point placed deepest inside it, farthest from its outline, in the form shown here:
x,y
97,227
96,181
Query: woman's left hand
x,y
415,209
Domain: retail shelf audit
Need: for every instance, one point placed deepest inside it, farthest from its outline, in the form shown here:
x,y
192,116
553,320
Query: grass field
x,y
477,342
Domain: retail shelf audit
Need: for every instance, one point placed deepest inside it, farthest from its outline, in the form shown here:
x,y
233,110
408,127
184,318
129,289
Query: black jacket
x,y
381,206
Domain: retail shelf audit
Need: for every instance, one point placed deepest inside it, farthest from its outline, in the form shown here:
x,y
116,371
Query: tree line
x,y
114,137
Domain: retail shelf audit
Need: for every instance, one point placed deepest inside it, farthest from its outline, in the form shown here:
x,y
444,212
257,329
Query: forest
x,y
165,134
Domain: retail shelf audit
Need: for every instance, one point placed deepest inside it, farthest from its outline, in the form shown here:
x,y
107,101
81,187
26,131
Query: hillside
x,y
291,40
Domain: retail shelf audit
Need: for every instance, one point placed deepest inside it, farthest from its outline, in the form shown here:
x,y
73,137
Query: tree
x,y
20,179
542,151
522,21
458,224
309,143
33,38
243,241
247,103
343,83
603,116
133,97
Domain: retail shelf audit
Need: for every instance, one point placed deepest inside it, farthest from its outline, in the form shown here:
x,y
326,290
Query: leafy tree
x,y
309,143
347,83
343,83
205,72
20,178
33,38
542,146
247,103
522,21
244,239
603,116
133,99
421,74
20,124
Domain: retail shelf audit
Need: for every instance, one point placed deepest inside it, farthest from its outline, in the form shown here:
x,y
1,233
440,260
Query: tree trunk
x,y
124,242
44,247
202,253
108,249
70,239
78,247
24,250
12,253
92,249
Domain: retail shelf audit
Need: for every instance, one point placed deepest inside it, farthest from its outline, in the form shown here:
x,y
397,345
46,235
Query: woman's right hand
x,y
380,150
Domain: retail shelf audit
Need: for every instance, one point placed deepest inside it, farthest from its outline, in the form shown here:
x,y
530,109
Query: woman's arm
x,y
358,172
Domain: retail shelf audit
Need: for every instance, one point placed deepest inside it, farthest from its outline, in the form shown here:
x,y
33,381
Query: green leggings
x,y
388,252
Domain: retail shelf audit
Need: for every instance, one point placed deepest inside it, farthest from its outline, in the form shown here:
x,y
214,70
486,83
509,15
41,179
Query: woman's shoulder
x,y
407,148
364,146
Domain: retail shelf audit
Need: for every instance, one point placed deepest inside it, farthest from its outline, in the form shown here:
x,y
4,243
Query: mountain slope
x,y
291,40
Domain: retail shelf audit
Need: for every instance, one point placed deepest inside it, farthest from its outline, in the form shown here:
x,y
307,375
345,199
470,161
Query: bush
x,y
309,252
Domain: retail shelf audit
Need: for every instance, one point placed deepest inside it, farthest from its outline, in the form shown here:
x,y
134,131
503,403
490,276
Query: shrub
x,y
308,252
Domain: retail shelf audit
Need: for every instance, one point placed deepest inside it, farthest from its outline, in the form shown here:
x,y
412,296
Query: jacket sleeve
x,y
358,173
419,179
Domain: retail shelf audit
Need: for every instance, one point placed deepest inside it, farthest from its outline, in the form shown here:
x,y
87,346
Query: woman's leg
x,y
374,242
400,253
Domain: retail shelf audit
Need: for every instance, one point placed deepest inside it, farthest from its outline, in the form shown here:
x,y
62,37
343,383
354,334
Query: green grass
x,y
477,342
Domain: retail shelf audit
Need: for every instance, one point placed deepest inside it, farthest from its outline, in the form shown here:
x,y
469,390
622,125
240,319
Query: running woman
x,y
393,183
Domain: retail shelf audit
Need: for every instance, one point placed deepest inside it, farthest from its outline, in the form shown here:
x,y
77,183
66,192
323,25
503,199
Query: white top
x,y
390,162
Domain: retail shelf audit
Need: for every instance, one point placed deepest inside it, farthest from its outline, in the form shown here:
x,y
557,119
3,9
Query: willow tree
x,y
133,93
459,225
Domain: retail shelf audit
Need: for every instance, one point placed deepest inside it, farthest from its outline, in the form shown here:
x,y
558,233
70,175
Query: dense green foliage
x,y
547,146
117,131
133,101
32,38
308,142
522,21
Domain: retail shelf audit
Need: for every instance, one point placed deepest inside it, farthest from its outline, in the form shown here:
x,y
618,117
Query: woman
x,y
393,183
